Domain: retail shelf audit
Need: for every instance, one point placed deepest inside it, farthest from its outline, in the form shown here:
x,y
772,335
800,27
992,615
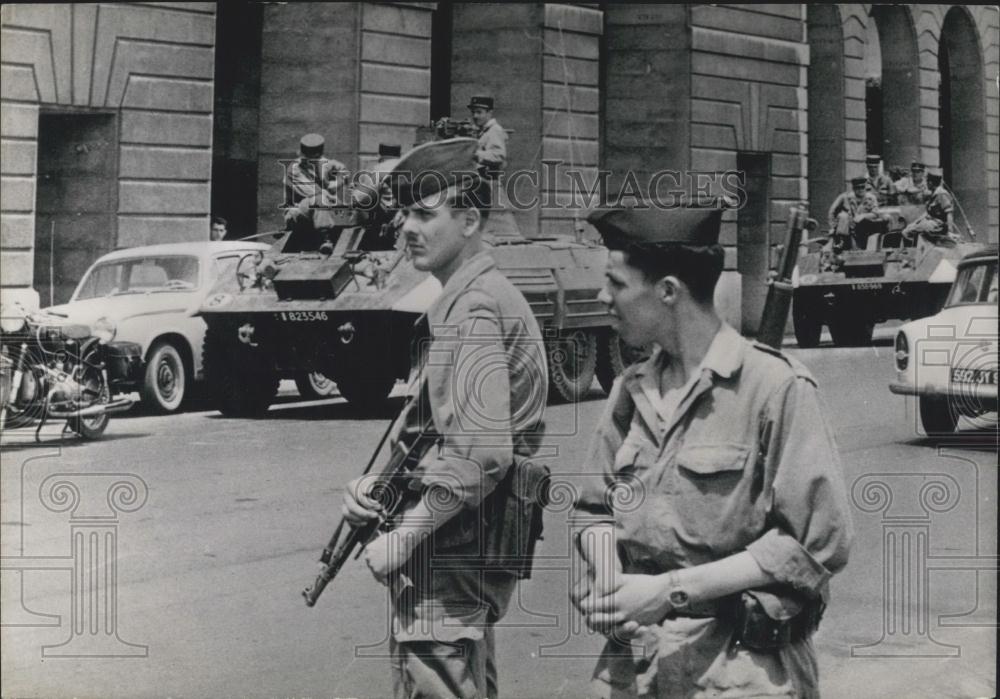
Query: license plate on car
x,y
302,316
974,376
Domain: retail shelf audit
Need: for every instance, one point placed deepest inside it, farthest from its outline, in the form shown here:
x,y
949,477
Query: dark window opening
x,y
441,29
944,112
873,115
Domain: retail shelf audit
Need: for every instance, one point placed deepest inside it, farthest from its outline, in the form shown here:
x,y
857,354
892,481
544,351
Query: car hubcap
x,y
166,379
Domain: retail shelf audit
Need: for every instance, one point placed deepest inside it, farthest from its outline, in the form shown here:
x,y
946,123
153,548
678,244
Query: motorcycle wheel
x,y
93,427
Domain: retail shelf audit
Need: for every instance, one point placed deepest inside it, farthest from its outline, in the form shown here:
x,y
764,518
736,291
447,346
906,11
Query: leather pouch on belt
x,y
514,518
764,619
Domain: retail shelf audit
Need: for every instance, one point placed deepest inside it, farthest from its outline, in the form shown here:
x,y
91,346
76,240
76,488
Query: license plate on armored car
x,y
974,376
302,316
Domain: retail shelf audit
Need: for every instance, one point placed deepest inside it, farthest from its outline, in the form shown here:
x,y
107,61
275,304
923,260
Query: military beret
x,y
873,159
689,225
858,181
917,165
433,167
387,151
311,145
481,101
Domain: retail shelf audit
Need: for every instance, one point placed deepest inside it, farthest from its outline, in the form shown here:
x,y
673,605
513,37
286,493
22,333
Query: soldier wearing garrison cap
x,y
938,223
877,182
844,208
737,514
492,150
913,189
489,422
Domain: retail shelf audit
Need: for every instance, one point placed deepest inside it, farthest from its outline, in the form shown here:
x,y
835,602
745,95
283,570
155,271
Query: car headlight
x,y
105,330
12,322
902,351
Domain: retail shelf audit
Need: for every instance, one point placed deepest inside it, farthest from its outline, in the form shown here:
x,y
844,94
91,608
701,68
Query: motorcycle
x,y
52,369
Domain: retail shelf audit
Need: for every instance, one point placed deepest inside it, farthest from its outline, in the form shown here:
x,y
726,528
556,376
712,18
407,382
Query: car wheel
x,y
240,381
313,385
164,385
936,415
366,392
572,364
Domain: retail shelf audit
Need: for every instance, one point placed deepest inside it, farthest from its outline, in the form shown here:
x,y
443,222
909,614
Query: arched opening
x,y
900,86
873,91
826,106
962,117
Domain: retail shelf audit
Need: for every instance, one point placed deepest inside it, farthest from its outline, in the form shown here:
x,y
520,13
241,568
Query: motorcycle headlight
x,y
105,330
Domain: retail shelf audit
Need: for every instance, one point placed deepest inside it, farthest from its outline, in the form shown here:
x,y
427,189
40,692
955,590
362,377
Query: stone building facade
x,y
201,102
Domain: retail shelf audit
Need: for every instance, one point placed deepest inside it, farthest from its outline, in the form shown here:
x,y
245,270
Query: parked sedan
x,y
150,294
949,360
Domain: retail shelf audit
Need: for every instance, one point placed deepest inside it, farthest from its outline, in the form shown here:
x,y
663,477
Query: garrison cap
x,y
433,167
483,101
917,165
858,181
872,159
389,151
689,225
311,145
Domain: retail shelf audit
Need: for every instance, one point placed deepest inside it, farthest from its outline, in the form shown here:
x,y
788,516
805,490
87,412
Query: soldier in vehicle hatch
x,y
313,175
492,150
877,182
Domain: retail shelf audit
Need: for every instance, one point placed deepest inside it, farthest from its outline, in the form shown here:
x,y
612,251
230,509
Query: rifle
x,y
780,289
390,490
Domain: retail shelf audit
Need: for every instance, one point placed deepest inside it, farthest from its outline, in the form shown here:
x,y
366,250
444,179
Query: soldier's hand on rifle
x,y
387,552
358,508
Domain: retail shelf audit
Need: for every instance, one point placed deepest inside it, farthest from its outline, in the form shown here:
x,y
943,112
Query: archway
x,y
826,106
900,85
962,117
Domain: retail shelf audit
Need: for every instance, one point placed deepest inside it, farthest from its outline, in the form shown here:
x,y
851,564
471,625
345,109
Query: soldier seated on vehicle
x,y
877,182
913,189
844,207
868,221
936,225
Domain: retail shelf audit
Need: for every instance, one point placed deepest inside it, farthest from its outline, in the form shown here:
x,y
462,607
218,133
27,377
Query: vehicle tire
x,y
165,384
240,381
807,322
365,391
572,364
93,427
936,415
851,331
613,357
313,385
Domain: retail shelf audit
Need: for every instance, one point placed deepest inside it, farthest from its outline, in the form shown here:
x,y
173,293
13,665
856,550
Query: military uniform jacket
x,y
486,383
745,462
912,193
881,185
846,201
492,150
311,178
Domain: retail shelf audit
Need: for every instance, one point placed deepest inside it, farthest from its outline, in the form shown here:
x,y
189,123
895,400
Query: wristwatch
x,y
678,597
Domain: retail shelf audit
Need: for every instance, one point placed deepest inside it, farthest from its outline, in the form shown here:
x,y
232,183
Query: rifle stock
x,y
779,289
390,491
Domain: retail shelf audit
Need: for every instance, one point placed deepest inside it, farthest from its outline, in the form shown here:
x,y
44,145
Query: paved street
x,y
210,566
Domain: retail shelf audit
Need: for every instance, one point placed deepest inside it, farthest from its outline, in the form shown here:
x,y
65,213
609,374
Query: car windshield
x,y
975,283
140,275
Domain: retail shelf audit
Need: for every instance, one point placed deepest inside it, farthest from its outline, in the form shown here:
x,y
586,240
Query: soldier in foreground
x,y
717,560
489,420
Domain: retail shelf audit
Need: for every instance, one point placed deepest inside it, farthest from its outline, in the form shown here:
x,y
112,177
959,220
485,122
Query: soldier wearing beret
x,y
877,182
492,150
913,189
483,375
844,208
709,577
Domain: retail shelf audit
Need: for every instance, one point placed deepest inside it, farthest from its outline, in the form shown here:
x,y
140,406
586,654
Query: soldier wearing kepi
x,y
913,189
738,517
877,182
483,376
845,207
313,176
492,151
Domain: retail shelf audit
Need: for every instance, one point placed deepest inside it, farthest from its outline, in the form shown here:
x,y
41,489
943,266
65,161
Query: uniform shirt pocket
x,y
712,495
